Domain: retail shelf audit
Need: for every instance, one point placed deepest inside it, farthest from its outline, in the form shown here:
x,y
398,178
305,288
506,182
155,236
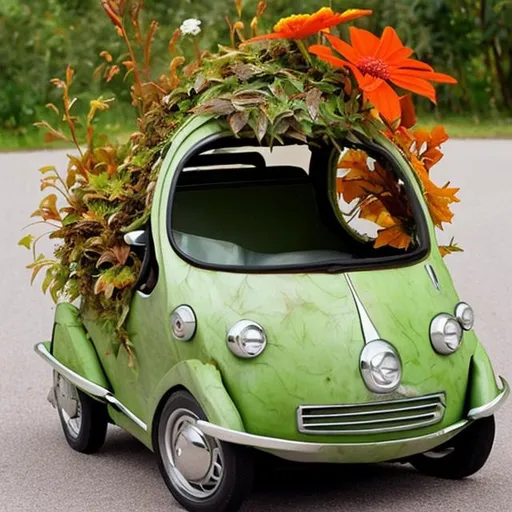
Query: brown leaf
x,y
238,121
248,98
216,107
244,71
313,98
262,127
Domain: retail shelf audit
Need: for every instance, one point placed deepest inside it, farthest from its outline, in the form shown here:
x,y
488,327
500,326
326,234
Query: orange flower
x,y
300,26
377,62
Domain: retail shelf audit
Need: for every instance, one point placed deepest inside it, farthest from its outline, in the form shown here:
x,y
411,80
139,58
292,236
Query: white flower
x,y
191,27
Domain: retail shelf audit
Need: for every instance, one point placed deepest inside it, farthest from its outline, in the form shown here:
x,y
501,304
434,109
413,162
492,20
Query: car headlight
x,y
445,334
380,367
246,339
465,316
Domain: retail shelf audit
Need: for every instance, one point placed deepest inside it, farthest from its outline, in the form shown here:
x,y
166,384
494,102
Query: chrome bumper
x,y
294,450
85,385
354,452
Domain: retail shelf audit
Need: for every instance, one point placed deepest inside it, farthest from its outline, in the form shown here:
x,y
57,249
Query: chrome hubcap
x,y
69,405
194,461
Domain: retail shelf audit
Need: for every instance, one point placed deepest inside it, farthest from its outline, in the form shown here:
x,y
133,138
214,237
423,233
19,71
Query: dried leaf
x,y
262,126
313,98
216,107
238,121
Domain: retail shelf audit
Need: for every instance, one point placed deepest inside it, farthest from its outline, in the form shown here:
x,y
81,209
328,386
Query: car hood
x,y
315,338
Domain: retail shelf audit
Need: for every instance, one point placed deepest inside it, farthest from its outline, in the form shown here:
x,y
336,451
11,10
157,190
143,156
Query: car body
x,y
308,396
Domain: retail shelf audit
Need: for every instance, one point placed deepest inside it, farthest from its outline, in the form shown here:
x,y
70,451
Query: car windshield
x,y
290,208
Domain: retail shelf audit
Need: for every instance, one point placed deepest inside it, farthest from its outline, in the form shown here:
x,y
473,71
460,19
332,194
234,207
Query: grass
x,y
31,139
457,127
472,128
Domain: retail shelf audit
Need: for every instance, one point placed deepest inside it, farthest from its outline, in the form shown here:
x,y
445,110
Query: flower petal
x,y
364,42
415,84
325,53
389,43
398,57
414,64
257,39
344,49
386,101
352,14
439,77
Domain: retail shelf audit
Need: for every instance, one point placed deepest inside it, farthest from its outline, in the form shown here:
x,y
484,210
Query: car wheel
x,y
202,473
84,420
463,455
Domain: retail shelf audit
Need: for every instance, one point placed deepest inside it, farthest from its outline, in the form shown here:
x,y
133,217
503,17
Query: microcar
x,y
264,318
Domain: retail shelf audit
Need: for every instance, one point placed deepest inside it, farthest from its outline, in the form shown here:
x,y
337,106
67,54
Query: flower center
x,y
374,67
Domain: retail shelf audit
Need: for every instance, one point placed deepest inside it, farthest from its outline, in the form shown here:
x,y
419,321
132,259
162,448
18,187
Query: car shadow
x,y
291,486
285,486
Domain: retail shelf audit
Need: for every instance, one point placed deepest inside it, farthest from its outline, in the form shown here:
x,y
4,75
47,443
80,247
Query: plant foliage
x,y
270,91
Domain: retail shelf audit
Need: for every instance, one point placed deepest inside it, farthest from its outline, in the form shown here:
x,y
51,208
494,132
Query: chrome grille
x,y
373,417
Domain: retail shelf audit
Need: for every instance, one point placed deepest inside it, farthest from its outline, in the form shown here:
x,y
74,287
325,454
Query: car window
x,y
246,207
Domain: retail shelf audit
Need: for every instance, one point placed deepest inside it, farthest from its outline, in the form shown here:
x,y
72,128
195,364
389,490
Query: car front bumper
x,y
354,452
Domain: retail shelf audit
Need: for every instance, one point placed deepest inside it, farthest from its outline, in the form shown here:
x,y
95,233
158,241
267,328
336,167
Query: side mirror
x,y
136,238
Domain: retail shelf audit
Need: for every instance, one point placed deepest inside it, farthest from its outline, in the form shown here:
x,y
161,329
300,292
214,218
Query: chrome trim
x,y
369,331
183,323
429,409
237,340
438,336
380,367
86,385
433,276
460,309
379,451
489,409
136,238
111,399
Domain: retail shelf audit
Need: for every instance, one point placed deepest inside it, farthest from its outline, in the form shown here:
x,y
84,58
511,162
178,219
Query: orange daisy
x,y
377,62
300,26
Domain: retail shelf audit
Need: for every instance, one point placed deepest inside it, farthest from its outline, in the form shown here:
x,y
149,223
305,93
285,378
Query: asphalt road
x,y
38,472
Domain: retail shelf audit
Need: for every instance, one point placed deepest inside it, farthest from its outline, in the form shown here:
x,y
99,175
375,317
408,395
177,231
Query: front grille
x,y
373,417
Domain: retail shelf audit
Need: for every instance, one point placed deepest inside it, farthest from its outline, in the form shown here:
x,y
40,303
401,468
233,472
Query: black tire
x,y
89,435
466,453
237,474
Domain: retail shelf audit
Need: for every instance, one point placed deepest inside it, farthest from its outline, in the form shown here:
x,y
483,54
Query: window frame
x,y
321,158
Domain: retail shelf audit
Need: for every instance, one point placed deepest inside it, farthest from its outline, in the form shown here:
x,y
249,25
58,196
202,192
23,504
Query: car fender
x,y
483,387
204,382
72,347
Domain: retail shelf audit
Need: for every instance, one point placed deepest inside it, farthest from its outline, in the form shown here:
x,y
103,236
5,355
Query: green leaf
x,y
26,241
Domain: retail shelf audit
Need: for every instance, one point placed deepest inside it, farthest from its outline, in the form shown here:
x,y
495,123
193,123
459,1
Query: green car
x,y
265,318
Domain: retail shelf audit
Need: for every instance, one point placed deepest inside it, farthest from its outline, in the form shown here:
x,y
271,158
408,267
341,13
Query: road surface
x,y
38,472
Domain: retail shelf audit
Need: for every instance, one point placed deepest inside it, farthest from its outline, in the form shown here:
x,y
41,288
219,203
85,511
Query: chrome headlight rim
x,y
238,343
462,309
443,328
371,364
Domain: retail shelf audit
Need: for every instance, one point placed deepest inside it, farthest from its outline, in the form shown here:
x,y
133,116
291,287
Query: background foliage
x,y
470,39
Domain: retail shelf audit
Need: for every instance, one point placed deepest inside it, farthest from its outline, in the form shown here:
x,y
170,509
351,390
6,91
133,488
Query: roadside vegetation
x,y
468,38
